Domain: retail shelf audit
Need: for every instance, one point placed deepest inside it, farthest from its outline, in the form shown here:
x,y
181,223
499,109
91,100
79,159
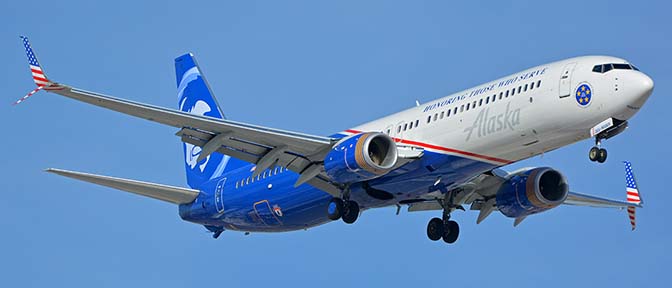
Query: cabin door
x,y
565,88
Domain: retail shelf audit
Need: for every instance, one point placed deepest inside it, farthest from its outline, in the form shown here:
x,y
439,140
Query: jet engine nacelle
x,y
532,191
361,157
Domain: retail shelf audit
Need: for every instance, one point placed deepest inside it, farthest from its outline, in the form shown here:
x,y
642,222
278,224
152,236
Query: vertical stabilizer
x,y
194,96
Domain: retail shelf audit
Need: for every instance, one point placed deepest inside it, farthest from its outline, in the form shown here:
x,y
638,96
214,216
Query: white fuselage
x,y
533,111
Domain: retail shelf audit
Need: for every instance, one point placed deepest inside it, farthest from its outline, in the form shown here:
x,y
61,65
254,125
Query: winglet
x,y
632,193
39,77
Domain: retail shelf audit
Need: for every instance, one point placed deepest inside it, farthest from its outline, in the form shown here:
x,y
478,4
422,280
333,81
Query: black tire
x,y
435,229
450,232
350,212
602,156
594,154
335,209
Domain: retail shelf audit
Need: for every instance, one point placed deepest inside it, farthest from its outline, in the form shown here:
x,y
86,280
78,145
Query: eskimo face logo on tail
x,y
192,151
486,124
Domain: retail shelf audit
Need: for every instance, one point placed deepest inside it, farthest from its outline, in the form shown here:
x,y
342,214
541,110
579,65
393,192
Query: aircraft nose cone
x,y
642,86
646,85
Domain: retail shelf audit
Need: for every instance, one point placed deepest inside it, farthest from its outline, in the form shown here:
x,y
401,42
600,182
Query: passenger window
x,y
500,95
480,102
417,122
525,87
538,83
388,132
429,118
236,184
399,129
448,113
247,180
487,100
462,108
468,106
436,115
405,125
473,105
275,171
455,111
507,94
441,117
519,87
532,86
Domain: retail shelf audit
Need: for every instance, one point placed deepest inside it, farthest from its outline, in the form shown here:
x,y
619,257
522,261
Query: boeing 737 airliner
x,y
443,155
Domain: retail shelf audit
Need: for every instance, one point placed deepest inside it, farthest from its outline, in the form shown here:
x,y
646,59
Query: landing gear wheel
x,y
450,232
594,153
335,209
350,212
435,229
602,155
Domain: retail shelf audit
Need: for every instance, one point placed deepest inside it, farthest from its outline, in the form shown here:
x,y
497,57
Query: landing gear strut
x,y
596,153
343,209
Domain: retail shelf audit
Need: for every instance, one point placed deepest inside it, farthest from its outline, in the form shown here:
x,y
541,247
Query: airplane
x,y
441,156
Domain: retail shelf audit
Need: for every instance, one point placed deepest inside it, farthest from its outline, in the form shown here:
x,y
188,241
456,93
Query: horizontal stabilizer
x,y
172,194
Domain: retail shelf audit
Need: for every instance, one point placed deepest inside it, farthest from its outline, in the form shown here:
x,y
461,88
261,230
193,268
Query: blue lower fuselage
x,y
273,204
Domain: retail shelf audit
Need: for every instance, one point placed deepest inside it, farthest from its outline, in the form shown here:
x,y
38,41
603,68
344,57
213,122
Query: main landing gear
x,y
445,229
343,209
596,153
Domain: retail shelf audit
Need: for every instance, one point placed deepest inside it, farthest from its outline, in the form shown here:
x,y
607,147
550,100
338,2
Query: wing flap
x,y
171,194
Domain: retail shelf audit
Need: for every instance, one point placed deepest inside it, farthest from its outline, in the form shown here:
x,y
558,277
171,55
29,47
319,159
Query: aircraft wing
x,y
264,146
480,193
593,201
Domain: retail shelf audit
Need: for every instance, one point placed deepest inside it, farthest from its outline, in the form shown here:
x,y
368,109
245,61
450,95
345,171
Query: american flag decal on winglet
x,y
39,77
632,192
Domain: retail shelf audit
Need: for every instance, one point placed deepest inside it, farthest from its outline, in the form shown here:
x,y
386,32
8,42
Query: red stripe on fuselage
x,y
446,149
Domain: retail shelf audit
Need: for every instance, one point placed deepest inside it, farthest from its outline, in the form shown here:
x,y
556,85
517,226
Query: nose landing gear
x,y
604,130
597,154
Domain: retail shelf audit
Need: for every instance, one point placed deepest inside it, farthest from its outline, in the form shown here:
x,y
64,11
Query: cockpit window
x,y
622,66
604,68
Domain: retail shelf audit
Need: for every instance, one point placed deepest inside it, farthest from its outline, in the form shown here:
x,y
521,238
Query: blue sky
x,y
316,67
